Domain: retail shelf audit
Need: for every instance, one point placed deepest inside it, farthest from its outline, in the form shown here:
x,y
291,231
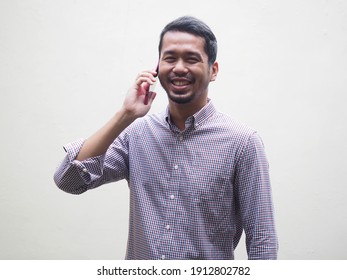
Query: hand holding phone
x,y
151,87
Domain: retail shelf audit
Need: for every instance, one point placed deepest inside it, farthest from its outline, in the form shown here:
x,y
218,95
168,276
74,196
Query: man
x,y
197,177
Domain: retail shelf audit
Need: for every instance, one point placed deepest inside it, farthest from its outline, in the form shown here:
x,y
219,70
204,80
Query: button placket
x,y
168,234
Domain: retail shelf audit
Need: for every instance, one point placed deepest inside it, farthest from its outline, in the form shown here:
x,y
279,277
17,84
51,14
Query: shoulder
x,y
148,122
245,139
233,127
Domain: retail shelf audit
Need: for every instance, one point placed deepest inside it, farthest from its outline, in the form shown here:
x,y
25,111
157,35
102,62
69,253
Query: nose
x,y
180,67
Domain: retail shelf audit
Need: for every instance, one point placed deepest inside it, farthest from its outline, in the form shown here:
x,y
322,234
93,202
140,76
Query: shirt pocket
x,y
207,187
209,201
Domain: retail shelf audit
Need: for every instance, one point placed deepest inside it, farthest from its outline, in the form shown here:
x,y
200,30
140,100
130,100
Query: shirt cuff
x,y
72,149
89,169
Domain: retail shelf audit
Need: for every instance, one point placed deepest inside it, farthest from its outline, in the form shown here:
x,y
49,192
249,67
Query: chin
x,y
181,98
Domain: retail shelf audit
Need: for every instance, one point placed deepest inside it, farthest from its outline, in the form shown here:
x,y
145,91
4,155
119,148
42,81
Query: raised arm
x,y
83,167
133,107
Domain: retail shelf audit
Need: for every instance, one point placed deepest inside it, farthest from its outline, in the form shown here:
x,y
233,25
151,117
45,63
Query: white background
x,y
65,67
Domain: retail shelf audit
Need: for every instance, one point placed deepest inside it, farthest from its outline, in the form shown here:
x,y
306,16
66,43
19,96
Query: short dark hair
x,y
195,27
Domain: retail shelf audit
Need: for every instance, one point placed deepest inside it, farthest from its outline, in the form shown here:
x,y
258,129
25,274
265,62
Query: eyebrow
x,y
189,53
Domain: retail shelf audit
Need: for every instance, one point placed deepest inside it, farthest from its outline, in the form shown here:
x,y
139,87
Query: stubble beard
x,y
180,98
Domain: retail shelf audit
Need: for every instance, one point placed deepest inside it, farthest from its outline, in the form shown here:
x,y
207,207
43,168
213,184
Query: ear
x,y
214,71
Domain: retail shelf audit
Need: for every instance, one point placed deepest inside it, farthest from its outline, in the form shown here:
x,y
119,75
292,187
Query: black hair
x,y
195,27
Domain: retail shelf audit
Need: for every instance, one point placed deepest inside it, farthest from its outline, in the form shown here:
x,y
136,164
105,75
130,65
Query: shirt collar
x,y
198,118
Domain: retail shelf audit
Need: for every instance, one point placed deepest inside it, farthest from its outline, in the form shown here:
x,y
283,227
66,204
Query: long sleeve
x,y
254,196
76,177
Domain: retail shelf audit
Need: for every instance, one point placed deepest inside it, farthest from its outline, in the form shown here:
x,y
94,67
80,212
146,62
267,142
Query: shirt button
x,y
168,227
176,166
172,196
181,138
85,170
163,257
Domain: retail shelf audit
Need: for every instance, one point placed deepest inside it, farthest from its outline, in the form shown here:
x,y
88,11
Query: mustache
x,y
189,77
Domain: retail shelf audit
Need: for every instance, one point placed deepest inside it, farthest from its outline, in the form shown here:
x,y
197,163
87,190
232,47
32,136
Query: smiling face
x,y
184,71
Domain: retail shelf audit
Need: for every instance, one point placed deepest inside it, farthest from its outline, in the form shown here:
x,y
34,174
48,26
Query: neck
x,y
179,113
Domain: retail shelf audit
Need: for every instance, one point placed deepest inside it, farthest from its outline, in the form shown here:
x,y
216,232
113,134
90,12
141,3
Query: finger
x,y
140,80
146,76
144,83
145,86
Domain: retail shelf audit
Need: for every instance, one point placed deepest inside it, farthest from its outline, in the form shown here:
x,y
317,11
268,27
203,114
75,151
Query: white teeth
x,y
180,83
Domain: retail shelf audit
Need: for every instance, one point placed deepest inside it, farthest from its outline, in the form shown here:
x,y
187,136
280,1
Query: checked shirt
x,y
192,192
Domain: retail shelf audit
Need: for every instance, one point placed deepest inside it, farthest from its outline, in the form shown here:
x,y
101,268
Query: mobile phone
x,y
151,87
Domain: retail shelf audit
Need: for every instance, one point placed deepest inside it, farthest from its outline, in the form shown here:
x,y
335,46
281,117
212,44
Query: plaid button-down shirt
x,y
192,192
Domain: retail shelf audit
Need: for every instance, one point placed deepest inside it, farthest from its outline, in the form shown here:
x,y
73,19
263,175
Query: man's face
x,y
184,71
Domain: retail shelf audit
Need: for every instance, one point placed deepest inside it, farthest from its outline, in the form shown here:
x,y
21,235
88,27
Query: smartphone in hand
x,y
151,87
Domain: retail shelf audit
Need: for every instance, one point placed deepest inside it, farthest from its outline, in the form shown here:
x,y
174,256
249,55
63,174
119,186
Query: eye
x,y
192,59
169,59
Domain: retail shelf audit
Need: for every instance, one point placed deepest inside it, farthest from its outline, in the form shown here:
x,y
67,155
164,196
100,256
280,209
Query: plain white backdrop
x,y
65,67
